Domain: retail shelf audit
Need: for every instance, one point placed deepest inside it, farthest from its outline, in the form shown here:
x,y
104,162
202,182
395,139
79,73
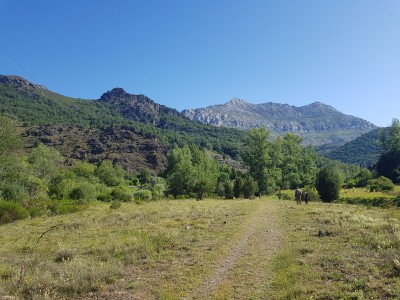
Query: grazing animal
x,y
257,194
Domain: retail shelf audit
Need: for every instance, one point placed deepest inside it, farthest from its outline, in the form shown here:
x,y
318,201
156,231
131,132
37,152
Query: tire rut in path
x,y
261,228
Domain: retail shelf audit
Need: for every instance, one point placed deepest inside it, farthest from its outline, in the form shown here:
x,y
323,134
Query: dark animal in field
x,y
257,194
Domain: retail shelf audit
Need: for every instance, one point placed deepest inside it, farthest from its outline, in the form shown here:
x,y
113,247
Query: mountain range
x,y
137,132
318,123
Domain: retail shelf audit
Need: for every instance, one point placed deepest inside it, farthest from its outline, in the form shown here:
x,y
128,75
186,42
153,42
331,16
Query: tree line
x,y
44,182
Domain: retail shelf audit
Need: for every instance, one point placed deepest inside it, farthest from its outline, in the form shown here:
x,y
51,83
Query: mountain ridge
x,y
317,123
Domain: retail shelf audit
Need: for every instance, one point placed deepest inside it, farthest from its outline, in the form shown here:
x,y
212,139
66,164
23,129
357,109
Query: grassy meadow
x,y
166,249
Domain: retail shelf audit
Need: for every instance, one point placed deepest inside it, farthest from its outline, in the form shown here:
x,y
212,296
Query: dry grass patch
x,y
338,251
158,250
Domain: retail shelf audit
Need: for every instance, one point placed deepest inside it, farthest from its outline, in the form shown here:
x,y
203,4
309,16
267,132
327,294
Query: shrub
x,y
115,205
65,206
105,197
380,184
376,202
12,191
249,188
11,211
142,195
329,182
121,193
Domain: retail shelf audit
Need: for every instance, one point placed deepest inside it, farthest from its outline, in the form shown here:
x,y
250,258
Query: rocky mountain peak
x,y
317,122
22,85
237,102
137,107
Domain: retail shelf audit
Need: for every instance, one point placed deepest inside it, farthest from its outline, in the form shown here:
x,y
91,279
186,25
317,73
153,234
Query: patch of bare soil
x,y
246,272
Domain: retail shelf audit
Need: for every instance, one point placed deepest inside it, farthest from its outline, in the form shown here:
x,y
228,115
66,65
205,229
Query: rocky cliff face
x,y
317,123
23,86
137,107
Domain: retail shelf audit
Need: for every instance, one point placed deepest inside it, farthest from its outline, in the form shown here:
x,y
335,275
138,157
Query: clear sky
x,y
195,53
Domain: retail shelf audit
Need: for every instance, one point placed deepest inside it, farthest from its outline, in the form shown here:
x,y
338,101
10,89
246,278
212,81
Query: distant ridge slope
x,y
317,123
137,107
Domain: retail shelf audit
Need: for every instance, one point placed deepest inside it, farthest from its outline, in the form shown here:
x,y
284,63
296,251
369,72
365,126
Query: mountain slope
x,y
317,123
364,150
48,116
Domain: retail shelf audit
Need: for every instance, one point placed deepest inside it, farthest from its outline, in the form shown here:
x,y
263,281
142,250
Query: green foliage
x,y
249,187
363,151
142,195
238,187
108,174
84,169
11,211
115,205
256,155
328,184
45,163
104,197
281,163
383,202
380,184
388,164
122,193
65,206
9,140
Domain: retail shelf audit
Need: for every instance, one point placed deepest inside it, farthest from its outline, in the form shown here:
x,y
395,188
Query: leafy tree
x,y
256,155
180,171
329,182
205,173
388,164
249,187
9,139
45,163
238,187
144,176
110,175
84,169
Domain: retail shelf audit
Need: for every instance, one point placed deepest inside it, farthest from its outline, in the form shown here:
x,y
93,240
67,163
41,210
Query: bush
x,y
12,191
115,205
65,206
104,197
249,188
376,202
142,195
380,184
11,211
121,193
329,182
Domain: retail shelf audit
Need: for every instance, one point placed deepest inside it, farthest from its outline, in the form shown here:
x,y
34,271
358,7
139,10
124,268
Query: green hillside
x,y
36,106
363,151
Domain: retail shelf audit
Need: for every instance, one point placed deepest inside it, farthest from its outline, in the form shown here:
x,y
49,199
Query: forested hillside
x,y
363,151
37,107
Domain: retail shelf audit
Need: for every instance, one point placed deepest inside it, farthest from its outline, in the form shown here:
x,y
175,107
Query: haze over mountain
x,y
317,123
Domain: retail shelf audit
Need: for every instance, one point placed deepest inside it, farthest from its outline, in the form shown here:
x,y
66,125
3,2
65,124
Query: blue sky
x,y
195,53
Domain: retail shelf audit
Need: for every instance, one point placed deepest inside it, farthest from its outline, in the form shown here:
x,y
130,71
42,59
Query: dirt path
x,y
246,271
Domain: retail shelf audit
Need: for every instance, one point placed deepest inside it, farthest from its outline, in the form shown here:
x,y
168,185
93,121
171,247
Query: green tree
x,y
249,187
180,172
110,175
9,139
238,187
388,164
329,183
205,173
256,155
45,163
